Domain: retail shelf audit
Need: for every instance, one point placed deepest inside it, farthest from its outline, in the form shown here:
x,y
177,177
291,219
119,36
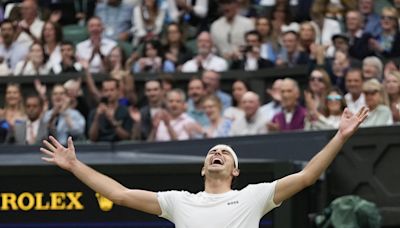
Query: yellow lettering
x,y
30,204
8,199
39,202
74,198
57,200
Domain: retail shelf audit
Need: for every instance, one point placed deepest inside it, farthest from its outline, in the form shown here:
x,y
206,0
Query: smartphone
x,y
104,100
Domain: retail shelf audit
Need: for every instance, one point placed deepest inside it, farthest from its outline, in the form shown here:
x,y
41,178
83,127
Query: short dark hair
x,y
255,33
67,42
111,80
7,21
36,96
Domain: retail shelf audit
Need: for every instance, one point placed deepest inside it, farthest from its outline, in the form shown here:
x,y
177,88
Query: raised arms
x,y
65,158
292,184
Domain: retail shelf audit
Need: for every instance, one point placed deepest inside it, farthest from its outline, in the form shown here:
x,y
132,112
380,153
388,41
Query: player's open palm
x,y
349,122
58,154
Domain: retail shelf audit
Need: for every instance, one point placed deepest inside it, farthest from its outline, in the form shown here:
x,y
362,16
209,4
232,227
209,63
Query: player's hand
x,y
350,122
59,155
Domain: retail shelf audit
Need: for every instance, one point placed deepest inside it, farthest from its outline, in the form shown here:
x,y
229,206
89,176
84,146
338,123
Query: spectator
x,y
281,17
247,9
291,55
68,62
372,68
96,48
319,84
269,46
65,13
307,36
355,98
196,93
14,110
35,64
155,98
219,125
76,98
51,41
293,114
387,43
253,122
392,88
33,130
205,59
148,20
377,103
212,81
239,88
175,49
228,31
30,27
358,39
330,118
273,107
249,58
192,13
62,121
152,59
117,18
371,19
109,121
11,51
173,123
340,65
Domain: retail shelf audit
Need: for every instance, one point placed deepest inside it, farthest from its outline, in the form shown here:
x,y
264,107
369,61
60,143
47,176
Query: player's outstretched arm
x,y
292,184
65,158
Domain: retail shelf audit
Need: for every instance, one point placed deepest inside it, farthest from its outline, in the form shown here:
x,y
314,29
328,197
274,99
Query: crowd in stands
x,y
350,48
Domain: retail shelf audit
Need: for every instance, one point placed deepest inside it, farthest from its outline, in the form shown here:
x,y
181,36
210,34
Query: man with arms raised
x,y
213,206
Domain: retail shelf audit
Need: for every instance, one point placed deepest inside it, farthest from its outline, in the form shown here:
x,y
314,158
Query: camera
x,y
104,100
247,48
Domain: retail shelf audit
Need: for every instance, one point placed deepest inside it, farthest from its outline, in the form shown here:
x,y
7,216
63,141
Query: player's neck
x,y
217,185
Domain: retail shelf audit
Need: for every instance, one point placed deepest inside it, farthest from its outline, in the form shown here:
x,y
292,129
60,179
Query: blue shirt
x,y
198,115
116,19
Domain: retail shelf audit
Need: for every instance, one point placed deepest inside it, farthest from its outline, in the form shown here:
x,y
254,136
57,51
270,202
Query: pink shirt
x,y
178,124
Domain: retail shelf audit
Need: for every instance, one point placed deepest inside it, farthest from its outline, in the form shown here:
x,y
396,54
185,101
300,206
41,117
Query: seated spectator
x,y
116,17
292,115
33,130
249,58
51,41
65,13
212,81
358,40
387,43
173,123
253,122
11,51
269,46
148,20
109,121
307,36
319,84
354,97
196,93
155,100
61,120
325,27
13,111
340,64
228,31
392,88
30,27
371,19
330,117
205,59
152,59
68,62
372,67
291,55
273,107
189,13
175,49
35,63
280,17
239,88
76,98
96,48
247,9
377,103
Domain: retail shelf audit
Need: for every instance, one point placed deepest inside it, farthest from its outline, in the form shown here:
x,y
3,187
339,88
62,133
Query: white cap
x,y
228,148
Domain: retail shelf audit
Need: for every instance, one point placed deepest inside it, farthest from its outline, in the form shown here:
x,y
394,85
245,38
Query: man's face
x,y
370,71
252,40
211,80
7,32
110,90
366,6
341,44
153,91
175,104
219,161
354,82
229,10
28,9
33,108
250,104
58,96
289,94
353,21
204,43
67,51
95,27
196,90
290,42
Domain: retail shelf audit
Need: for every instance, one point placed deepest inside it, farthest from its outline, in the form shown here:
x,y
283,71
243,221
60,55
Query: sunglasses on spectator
x,y
385,17
315,78
370,92
334,98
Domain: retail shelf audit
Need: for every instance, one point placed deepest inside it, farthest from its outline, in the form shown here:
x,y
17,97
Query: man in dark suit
x,y
33,130
249,59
